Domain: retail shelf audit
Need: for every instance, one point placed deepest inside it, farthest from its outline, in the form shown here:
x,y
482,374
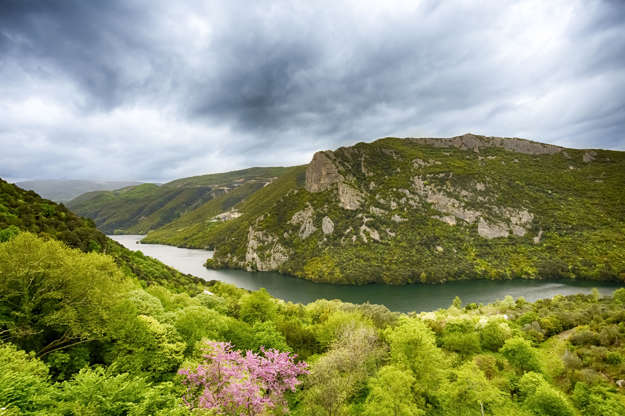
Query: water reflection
x,y
415,297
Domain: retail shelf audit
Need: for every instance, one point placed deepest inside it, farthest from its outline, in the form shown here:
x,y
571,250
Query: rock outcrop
x,y
264,252
474,143
322,172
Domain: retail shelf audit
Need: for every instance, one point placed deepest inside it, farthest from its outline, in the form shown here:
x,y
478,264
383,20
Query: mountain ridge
x,y
405,210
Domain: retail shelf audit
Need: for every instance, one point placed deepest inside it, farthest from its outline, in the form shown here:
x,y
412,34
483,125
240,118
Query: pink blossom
x,y
235,384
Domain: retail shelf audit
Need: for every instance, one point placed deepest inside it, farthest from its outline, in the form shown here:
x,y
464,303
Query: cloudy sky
x,y
166,89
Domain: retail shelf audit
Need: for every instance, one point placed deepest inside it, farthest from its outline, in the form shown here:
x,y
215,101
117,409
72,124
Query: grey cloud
x,y
161,89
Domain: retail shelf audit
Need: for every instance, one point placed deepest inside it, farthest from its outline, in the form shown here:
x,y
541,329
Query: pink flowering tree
x,y
233,383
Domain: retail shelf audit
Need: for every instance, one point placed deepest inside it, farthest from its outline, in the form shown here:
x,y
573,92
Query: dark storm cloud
x,y
150,89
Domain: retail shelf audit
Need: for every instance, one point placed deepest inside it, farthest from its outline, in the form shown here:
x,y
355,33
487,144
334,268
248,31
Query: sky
x,y
159,89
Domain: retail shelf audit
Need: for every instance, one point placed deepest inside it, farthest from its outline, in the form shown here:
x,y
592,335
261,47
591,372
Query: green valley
x,y
138,209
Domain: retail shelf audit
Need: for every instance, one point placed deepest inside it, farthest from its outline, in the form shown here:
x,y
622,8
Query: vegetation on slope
x,y
138,209
22,210
401,210
198,228
78,336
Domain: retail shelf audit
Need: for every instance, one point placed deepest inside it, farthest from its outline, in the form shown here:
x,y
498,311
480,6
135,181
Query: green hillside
x,y
138,209
430,210
22,210
80,338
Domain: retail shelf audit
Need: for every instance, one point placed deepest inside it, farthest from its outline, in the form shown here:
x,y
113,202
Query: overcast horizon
x,y
158,90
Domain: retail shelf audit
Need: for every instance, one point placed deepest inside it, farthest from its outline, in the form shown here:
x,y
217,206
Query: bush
x,y
494,335
520,353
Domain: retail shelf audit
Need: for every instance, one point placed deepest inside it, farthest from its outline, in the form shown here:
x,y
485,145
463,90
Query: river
x,y
414,297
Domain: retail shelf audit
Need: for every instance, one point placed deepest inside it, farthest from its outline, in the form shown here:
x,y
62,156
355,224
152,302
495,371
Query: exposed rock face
x,y
444,203
327,226
449,219
367,231
321,172
475,143
397,218
349,198
305,219
589,156
273,254
490,231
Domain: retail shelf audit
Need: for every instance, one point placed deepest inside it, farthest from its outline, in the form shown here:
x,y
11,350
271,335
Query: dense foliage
x,y
22,210
78,336
431,214
138,209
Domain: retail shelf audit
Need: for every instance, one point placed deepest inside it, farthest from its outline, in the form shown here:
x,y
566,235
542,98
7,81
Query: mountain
x,y
398,211
138,209
61,190
22,210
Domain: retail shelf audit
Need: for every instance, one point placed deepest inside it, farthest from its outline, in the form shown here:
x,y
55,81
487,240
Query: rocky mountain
x,y
430,210
61,190
138,209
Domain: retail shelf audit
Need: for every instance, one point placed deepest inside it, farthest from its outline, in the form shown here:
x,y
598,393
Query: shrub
x,y
520,353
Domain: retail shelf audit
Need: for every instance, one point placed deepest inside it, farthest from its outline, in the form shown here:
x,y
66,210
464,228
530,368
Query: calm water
x,y
415,297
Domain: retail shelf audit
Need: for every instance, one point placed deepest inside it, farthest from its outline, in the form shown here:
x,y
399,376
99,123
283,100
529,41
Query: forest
x,y
88,327
82,337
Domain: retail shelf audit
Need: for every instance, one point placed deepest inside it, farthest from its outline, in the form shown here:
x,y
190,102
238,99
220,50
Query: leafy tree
x,y
390,394
494,334
232,383
597,400
268,337
257,306
520,353
53,297
8,233
94,392
413,346
196,322
619,296
339,373
543,399
145,346
470,393
23,381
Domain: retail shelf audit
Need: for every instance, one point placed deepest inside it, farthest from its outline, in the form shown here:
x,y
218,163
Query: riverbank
x,y
414,297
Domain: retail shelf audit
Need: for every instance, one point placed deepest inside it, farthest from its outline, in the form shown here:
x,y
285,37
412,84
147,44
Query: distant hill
x,y
139,209
61,190
426,210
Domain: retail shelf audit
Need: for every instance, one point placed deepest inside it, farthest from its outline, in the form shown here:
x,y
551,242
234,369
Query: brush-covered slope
x,y
138,209
22,210
430,210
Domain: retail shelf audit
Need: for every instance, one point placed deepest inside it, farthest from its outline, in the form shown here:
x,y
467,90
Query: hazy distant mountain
x,y
61,190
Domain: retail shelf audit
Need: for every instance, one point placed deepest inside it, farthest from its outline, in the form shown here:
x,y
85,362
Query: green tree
x,y
53,297
494,334
520,353
541,398
470,394
390,394
257,306
413,346
23,381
